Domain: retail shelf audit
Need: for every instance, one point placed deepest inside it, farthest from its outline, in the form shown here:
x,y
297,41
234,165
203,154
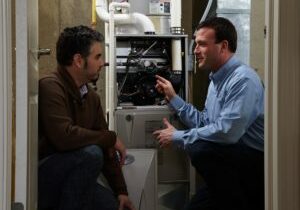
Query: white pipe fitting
x,y
144,22
124,19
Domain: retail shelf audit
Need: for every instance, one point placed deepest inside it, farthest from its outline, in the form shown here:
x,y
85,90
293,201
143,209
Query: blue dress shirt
x,y
234,109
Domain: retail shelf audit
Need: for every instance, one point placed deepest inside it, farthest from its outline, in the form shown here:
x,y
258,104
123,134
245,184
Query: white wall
x,y
257,47
5,104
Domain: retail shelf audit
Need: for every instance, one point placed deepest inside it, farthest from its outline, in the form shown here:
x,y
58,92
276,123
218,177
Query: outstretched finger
x,y
161,79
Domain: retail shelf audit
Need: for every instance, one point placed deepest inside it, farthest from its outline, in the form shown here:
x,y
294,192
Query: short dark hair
x,y
224,30
75,40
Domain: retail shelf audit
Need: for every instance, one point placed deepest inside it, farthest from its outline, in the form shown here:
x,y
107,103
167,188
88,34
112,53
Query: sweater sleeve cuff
x,y
121,191
111,138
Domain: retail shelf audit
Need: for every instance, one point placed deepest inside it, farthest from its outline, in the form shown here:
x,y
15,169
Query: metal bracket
x,y
43,52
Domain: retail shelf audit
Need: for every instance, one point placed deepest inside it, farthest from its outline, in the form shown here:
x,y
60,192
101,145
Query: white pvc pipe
x,y
206,11
111,81
124,19
106,36
143,21
176,43
176,55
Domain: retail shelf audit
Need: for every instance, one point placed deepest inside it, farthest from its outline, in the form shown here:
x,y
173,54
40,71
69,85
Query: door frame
x,y
26,99
22,51
282,119
5,105
21,102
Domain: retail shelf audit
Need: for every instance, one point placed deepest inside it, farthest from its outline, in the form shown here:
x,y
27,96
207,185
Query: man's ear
x,y
77,60
225,45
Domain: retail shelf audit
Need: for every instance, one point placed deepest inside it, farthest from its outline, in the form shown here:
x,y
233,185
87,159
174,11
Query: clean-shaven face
x,y
207,52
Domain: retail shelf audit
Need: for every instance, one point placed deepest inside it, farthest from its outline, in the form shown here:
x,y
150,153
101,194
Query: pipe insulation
x,y
176,43
175,13
176,55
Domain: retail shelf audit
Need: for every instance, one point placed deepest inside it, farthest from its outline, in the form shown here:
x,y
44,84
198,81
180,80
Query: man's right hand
x,y
164,136
165,87
125,203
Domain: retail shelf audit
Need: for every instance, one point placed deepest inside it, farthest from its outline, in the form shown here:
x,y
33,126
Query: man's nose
x,y
101,63
196,50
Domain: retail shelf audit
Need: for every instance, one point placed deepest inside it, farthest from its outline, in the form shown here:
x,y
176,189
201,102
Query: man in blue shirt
x,y
225,141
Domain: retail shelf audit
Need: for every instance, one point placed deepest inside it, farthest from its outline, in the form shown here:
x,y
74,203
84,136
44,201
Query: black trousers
x,y
234,176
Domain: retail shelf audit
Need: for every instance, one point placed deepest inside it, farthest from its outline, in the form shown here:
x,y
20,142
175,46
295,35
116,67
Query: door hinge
x,y
42,52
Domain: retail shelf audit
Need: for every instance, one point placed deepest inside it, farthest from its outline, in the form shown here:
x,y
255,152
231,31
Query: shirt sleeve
x,y
237,113
189,115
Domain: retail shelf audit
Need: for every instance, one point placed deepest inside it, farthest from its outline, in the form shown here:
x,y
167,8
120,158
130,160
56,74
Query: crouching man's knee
x,y
92,154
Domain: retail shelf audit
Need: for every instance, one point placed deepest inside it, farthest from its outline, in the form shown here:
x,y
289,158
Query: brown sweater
x,y
68,122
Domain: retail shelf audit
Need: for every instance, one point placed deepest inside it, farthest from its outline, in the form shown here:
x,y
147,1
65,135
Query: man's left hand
x,y
164,136
120,147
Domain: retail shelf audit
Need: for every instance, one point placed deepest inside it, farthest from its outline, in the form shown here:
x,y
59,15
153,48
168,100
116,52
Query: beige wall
x,y
54,16
257,45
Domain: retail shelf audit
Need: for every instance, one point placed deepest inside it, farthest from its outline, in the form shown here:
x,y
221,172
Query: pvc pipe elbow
x,y
102,13
144,22
121,19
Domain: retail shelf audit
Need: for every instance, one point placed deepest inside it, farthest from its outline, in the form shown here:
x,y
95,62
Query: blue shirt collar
x,y
225,70
83,90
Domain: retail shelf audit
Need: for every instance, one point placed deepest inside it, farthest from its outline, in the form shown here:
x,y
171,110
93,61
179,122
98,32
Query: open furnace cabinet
x,y
140,109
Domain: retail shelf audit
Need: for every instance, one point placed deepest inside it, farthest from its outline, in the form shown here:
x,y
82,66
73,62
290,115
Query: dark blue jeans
x,y
233,174
68,181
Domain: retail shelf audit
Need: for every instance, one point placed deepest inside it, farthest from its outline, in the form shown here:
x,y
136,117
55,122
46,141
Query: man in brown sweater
x,y
75,145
